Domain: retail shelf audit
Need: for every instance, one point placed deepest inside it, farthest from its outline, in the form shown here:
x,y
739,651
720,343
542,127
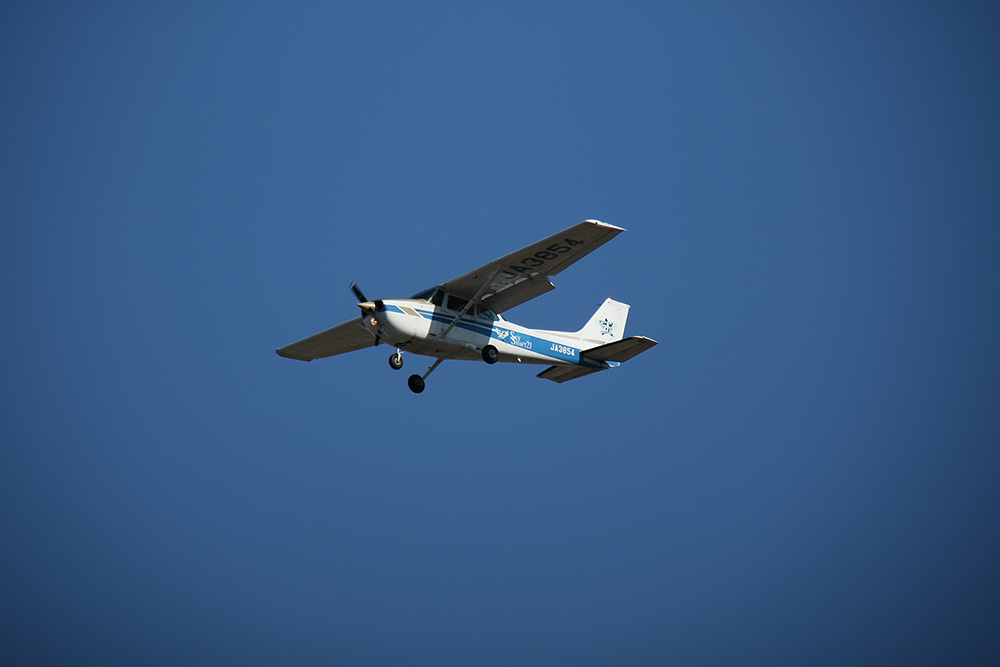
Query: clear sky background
x,y
804,471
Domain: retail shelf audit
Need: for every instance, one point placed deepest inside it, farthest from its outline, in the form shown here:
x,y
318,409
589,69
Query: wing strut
x,y
473,301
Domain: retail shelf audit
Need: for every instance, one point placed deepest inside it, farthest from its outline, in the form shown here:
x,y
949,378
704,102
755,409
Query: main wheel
x,y
490,354
416,384
396,361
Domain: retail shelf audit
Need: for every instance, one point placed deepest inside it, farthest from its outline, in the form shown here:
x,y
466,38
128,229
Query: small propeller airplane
x,y
460,319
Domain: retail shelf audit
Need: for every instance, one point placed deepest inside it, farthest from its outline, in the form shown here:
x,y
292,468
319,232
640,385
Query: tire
x,y
416,384
490,354
396,361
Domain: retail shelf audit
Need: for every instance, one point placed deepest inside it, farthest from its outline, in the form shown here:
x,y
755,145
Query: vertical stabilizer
x,y
608,323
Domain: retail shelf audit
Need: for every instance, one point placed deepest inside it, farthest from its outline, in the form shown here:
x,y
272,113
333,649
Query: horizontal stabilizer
x,y
342,338
619,351
564,373
615,353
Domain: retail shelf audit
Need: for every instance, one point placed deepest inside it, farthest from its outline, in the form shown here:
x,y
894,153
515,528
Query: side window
x,y
457,304
486,314
438,298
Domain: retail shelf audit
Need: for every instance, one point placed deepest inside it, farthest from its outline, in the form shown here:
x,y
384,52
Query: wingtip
x,y
606,225
282,353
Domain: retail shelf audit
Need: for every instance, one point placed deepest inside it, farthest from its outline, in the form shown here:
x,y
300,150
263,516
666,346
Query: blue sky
x,y
804,471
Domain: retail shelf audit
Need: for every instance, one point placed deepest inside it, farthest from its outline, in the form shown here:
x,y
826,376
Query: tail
x,y
608,324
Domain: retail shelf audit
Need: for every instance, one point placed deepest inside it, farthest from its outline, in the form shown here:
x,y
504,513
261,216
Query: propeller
x,y
368,308
358,293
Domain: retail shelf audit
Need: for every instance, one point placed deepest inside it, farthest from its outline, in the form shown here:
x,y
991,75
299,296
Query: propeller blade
x,y
358,293
368,308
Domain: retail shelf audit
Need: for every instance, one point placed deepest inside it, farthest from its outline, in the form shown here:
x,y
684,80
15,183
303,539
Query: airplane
x,y
460,319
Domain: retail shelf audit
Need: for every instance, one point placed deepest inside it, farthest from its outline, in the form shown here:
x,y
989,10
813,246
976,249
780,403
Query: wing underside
x,y
523,275
342,338
562,374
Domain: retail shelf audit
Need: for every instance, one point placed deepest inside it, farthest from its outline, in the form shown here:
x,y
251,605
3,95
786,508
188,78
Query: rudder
x,y
607,324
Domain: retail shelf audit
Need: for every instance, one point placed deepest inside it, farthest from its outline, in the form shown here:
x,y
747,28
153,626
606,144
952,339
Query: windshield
x,y
434,295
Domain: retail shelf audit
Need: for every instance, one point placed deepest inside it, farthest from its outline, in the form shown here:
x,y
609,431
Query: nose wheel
x,y
396,360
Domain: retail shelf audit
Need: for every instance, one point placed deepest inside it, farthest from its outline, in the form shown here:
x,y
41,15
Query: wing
x,y
342,338
523,275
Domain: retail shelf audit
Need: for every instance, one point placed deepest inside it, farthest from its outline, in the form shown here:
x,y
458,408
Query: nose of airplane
x,y
371,307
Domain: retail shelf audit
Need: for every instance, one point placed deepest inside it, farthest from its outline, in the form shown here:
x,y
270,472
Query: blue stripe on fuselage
x,y
468,324
525,341
538,345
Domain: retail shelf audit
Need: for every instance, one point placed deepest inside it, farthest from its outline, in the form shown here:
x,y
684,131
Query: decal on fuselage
x,y
563,349
543,347
518,342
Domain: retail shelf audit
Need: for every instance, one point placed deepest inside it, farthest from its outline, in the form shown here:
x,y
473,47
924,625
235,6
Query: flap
x,y
518,293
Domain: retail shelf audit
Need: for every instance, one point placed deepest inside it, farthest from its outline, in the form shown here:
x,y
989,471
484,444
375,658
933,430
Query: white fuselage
x,y
418,326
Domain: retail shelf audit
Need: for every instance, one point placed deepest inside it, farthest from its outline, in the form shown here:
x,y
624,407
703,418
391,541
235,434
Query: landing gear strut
x,y
490,354
396,360
416,382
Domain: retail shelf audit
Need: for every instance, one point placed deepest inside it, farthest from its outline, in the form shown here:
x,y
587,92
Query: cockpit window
x,y
485,314
437,297
456,303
